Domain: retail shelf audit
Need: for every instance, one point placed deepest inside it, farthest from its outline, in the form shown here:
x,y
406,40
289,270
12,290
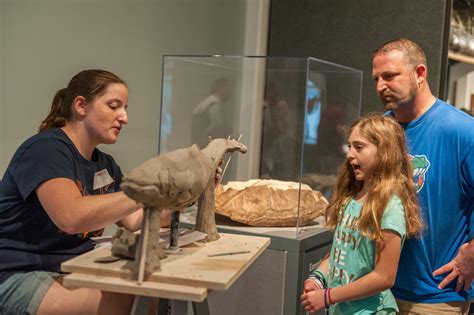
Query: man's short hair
x,y
413,53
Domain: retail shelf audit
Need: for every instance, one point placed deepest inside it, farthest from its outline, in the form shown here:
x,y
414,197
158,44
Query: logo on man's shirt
x,y
420,165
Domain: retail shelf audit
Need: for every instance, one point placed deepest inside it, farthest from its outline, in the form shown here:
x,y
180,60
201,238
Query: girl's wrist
x,y
316,282
331,302
327,298
319,275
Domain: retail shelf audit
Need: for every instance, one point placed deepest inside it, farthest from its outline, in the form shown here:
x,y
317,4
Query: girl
x,y
372,211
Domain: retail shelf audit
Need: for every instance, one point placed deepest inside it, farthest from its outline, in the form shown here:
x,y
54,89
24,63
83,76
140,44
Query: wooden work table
x,y
188,275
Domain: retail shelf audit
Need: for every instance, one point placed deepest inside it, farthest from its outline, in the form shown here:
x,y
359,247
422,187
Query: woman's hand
x,y
165,217
218,175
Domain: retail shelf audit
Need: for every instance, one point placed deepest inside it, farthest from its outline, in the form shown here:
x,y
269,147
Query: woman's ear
x,y
80,105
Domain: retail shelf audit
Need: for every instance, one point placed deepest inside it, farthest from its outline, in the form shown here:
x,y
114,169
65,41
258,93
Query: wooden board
x,y
191,267
147,288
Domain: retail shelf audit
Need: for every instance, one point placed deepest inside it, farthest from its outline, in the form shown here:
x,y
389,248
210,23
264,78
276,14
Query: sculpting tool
x,y
107,259
229,253
228,161
142,244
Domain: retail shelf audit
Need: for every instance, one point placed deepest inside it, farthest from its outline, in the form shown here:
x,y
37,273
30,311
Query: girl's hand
x,y
313,301
311,285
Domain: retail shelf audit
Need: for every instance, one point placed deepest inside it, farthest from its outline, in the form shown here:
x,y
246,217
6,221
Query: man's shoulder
x,y
450,116
453,110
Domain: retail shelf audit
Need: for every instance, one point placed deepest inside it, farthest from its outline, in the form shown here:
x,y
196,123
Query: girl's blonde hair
x,y
392,176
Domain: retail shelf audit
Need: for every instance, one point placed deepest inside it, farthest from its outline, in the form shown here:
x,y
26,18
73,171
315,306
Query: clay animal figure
x,y
175,180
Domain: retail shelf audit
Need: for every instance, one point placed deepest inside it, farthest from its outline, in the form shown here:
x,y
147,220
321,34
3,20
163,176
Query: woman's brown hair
x,y
89,84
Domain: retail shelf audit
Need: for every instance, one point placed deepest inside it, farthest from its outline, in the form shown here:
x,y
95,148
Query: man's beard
x,y
395,103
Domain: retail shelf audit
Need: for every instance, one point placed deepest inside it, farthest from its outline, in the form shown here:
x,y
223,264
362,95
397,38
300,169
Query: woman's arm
x,y
74,213
133,222
382,278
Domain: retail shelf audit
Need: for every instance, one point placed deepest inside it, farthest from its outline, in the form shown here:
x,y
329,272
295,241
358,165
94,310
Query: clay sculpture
x,y
175,180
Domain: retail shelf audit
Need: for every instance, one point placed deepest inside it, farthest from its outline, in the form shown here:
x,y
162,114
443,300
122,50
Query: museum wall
x,y
346,32
45,42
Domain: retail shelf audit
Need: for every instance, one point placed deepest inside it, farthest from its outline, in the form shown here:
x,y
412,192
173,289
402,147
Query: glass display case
x,y
289,112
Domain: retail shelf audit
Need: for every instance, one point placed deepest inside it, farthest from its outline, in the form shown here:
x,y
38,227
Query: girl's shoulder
x,y
394,216
395,201
394,206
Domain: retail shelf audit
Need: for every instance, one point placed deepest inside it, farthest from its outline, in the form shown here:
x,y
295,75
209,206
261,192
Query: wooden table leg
x,y
163,307
201,308
141,304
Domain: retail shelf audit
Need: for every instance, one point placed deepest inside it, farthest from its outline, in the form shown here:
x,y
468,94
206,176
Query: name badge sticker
x,y
102,179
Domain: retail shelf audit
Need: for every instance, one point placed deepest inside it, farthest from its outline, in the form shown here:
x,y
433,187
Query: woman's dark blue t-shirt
x,y
29,240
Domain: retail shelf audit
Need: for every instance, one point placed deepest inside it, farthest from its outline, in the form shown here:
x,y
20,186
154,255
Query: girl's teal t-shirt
x,y
353,256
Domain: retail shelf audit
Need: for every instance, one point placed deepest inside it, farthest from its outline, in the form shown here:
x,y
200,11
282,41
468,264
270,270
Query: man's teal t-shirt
x,y
353,256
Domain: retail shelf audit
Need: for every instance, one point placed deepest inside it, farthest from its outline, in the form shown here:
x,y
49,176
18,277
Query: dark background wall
x,y
346,32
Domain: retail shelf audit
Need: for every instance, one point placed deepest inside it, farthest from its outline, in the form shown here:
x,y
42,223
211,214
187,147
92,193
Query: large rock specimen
x,y
269,202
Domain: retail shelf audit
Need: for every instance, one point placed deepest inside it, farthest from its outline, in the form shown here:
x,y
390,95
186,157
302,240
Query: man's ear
x,y
80,105
421,73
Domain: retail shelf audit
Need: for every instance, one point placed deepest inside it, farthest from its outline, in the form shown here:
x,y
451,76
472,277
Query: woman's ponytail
x,y
59,114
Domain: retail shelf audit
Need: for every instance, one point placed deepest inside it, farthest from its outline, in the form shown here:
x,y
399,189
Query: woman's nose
x,y
123,117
